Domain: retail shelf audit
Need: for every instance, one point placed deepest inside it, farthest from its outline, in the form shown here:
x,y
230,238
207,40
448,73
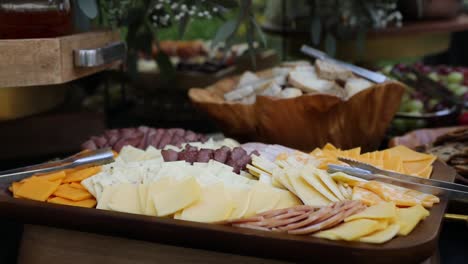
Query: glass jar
x,y
35,18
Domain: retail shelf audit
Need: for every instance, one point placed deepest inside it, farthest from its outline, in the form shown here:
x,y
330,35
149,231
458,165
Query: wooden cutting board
x,y
31,62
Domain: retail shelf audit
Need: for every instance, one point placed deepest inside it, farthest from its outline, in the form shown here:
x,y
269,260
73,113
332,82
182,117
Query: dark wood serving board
x,y
414,248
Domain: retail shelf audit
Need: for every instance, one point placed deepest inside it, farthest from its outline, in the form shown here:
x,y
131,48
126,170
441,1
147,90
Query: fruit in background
x,y
455,77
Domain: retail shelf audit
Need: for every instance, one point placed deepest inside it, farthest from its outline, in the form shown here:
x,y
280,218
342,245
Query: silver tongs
x,y
366,171
370,75
82,159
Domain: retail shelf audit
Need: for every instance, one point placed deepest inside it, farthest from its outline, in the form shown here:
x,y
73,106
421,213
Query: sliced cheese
x,y
125,199
155,187
329,182
103,202
367,197
37,189
408,218
80,175
263,199
53,176
213,206
382,210
345,178
179,195
287,199
143,195
240,198
350,231
382,236
307,193
407,154
316,183
88,203
70,193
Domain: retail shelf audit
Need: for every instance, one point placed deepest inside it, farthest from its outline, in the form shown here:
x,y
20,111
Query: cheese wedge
x,y
177,196
351,230
125,199
155,187
382,236
416,167
77,185
379,211
213,206
307,193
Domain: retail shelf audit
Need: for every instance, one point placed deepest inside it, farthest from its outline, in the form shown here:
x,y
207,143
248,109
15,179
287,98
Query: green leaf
x,y
183,26
330,44
316,30
250,36
166,68
89,8
225,31
259,31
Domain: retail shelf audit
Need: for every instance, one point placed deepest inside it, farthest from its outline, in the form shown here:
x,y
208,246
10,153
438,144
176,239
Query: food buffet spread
x,y
270,192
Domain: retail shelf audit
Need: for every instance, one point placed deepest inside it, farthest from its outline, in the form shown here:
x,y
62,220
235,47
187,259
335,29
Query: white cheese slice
x,y
176,197
130,153
287,199
213,206
317,184
263,199
103,202
307,193
240,196
125,199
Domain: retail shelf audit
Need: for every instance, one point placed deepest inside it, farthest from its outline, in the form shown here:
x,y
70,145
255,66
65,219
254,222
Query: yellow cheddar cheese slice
x,y
88,203
240,197
78,176
70,193
407,154
408,218
77,185
381,211
263,198
53,176
382,236
350,231
37,189
307,193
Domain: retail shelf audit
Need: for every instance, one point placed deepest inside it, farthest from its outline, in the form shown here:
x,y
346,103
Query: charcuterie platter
x,y
252,199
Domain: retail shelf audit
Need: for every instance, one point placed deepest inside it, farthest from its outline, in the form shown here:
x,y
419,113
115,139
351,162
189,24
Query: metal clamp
x,y
96,57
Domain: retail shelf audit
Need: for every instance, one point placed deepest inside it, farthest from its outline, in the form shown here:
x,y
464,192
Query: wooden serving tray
x,y
414,248
32,62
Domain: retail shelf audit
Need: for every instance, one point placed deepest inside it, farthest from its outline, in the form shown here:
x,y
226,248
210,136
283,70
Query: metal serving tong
x,y
82,159
370,75
366,171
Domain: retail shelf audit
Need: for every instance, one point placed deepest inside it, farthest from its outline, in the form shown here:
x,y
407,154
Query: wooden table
x,y
45,245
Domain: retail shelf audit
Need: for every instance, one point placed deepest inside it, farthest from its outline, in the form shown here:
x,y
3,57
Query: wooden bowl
x,y
304,122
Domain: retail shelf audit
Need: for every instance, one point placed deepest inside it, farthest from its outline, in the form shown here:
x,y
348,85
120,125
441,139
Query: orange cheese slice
x,y
416,167
70,193
37,189
80,175
367,197
390,194
14,188
329,146
53,176
88,203
77,185
407,154
426,173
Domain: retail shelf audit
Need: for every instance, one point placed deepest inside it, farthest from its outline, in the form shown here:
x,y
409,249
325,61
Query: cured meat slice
x,y
204,155
221,154
169,155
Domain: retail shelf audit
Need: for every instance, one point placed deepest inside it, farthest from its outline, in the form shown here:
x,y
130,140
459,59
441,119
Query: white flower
x,y
174,6
215,9
158,6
